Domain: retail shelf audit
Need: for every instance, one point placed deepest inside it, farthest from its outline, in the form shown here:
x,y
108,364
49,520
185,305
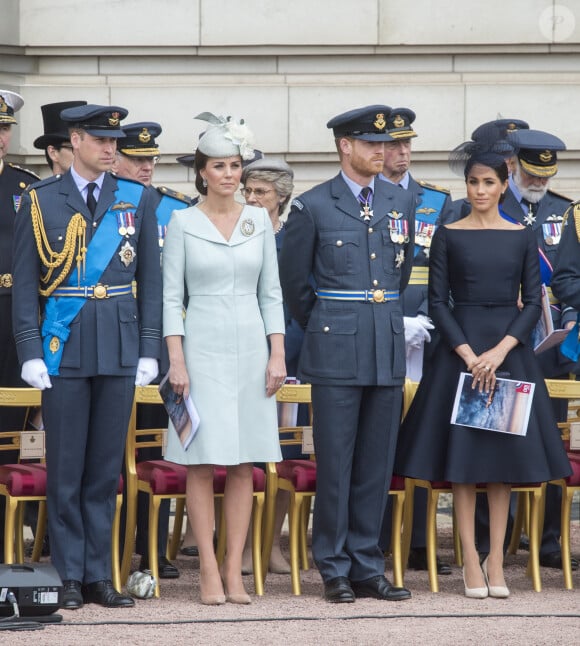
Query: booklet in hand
x,y
506,409
181,411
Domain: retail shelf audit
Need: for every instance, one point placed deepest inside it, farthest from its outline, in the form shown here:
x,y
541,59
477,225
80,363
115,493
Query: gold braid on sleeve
x,y
577,220
74,247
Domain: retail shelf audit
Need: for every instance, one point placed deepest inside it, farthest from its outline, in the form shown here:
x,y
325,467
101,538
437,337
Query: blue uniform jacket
x,y
108,336
348,343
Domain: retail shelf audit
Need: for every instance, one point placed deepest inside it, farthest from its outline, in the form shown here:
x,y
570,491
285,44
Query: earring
x,y
204,182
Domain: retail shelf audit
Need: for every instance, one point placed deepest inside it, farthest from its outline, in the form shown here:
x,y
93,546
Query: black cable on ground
x,y
246,620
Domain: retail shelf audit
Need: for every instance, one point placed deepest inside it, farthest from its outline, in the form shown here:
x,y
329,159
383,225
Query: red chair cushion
x,y
24,479
300,473
574,479
219,479
397,483
164,477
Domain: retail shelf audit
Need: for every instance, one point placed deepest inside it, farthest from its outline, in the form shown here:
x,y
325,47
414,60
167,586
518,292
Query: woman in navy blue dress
x,y
489,266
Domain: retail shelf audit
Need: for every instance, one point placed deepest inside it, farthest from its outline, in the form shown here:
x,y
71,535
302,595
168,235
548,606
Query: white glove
x,y
416,330
35,373
147,370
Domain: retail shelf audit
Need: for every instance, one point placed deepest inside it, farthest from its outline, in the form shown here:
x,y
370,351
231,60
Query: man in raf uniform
x,y
354,237
80,241
432,209
530,201
13,181
136,157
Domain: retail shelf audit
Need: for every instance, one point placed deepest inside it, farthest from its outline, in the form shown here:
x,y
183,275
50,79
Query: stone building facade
x,y
287,67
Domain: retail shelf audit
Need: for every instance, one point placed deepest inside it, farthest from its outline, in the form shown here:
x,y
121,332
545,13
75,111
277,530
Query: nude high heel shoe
x,y
474,593
497,591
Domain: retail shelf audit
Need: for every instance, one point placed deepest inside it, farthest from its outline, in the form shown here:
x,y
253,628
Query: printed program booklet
x,y
181,411
544,336
505,410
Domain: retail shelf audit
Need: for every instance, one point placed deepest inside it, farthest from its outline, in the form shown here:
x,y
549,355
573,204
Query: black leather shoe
x,y
166,569
554,559
418,561
189,550
379,587
72,598
104,593
338,590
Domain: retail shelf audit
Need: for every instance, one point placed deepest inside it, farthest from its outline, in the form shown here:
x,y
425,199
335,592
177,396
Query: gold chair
x,y
20,483
567,389
298,477
159,479
26,482
535,491
162,480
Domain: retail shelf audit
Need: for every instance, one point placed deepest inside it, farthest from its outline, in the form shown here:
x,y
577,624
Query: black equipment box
x,y
36,586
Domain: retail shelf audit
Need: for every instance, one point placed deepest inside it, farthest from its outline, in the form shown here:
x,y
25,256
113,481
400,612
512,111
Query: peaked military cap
x,y
139,139
55,129
498,128
399,123
97,120
10,102
368,123
537,151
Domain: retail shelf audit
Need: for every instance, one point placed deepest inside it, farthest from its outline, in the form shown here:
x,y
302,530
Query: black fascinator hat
x,y
490,152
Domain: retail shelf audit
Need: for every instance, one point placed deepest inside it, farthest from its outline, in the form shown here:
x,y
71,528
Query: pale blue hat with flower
x,y
225,137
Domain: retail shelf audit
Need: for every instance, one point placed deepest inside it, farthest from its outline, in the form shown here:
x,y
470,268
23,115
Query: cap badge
x,y
114,119
511,126
398,122
380,122
3,106
247,227
546,156
144,136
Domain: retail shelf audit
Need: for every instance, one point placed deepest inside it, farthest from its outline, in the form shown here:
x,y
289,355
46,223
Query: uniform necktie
x,y
91,201
364,199
530,218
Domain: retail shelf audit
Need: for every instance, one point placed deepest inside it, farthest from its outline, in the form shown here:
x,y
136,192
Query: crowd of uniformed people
x,y
108,281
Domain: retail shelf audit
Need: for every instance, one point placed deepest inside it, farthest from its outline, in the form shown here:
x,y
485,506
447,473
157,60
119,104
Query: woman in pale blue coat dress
x,y
224,255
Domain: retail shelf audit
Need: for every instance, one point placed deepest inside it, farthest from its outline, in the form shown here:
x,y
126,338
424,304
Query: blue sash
x,y
59,312
570,346
429,210
166,206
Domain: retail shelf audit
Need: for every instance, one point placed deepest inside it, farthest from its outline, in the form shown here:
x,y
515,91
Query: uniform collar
x,y
81,183
355,188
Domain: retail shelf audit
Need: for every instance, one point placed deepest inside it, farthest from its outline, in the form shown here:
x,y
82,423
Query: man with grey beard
x,y
530,201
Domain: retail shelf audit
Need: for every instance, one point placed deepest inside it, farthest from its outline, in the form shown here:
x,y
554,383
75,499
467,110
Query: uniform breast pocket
x,y
330,345
388,253
56,238
340,253
129,333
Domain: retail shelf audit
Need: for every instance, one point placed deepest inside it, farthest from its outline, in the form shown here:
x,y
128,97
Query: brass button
x,y
339,243
373,255
375,282
94,225
326,329
371,229
60,238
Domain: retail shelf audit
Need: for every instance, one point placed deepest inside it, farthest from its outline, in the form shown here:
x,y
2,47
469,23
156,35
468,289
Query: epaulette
x,y
298,204
48,180
434,187
174,194
24,170
562,197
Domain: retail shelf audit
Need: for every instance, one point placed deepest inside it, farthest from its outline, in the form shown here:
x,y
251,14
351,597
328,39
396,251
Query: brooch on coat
x,y
247,227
